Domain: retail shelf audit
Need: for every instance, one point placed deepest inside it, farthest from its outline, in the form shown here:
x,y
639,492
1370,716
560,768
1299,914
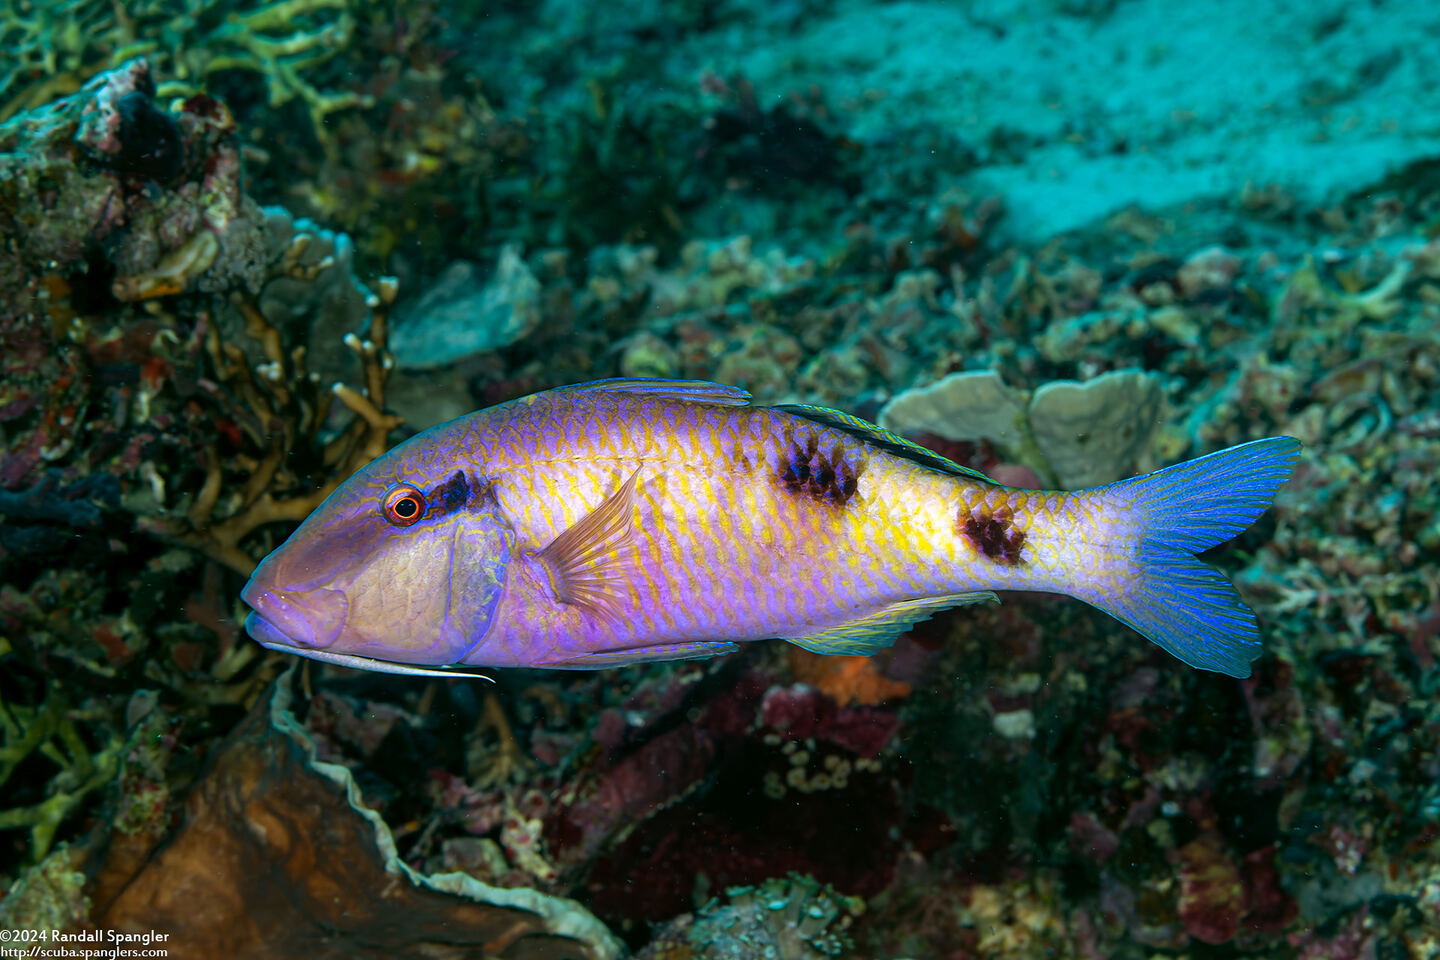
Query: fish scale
x,y
634,520
689,548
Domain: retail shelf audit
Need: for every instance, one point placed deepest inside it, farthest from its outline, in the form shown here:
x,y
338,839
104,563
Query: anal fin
x,y
878,629
620,658
587,562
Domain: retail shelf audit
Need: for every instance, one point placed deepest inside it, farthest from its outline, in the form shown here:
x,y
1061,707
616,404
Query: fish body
x,y
632,520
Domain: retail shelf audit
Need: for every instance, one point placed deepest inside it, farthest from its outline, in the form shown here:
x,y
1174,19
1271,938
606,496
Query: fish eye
x,y
403,505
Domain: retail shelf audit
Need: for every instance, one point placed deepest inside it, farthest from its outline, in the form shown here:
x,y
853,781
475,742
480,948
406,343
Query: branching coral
x,y
50,731
55,47
282,410
159,337
49,41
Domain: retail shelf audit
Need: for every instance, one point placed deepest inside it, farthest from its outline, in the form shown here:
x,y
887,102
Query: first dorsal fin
x,y
693,391
882,438
878,629
588,561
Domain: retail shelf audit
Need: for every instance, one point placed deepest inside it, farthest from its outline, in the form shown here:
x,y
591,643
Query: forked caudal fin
x,y
1176,601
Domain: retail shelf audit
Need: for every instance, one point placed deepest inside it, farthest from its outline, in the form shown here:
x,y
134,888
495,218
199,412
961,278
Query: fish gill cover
x,y
1058,243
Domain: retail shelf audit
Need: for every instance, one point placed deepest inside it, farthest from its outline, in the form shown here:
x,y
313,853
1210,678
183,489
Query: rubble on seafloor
x,y
1084,797
791,918
1023,781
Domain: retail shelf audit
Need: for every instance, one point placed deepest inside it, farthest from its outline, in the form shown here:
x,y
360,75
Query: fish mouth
x,y
279,622
266,633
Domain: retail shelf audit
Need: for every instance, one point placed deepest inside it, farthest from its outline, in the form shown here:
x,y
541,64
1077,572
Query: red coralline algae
x,y
862,731
1282,730
797,710
1354,941
1015,475
628,791
731,832
1091,839
609,728
1212,898
1268,908
757,781
802,712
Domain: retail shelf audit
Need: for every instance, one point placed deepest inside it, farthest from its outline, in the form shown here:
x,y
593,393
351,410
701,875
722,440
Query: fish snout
x,y
311,619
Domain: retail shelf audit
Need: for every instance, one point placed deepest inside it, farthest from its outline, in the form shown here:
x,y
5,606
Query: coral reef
x,y
788,919
185,373
53,48
1094,753
156,425
77,174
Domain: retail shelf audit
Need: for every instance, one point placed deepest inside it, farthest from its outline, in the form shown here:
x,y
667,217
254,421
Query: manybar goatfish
x,y
632,520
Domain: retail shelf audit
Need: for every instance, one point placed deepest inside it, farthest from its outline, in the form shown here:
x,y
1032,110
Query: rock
x,y
278,857
972,405
1075,434
1093,432
463,314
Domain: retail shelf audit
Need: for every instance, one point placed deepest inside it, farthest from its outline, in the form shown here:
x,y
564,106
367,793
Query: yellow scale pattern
x,y
719,543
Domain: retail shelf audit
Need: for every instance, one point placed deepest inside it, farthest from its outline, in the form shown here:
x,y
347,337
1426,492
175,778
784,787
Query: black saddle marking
x,y
459,492
993,534
831,477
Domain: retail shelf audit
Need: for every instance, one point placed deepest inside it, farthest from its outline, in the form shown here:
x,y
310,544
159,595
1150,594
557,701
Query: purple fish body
x,y
632,520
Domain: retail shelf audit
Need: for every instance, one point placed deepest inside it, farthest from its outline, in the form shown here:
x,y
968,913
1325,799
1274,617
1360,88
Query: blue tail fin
x,y
1175,600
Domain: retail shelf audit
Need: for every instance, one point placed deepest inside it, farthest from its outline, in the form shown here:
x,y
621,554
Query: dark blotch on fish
x,y
831,478
451,495
994,535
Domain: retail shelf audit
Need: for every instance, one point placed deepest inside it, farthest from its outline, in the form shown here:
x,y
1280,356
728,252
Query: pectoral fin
x,y
878,629
588,563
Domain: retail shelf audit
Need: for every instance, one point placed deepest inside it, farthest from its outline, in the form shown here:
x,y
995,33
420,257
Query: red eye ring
x,y
403,505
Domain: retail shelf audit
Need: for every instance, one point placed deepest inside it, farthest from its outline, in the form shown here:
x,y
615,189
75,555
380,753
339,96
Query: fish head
x,y
404,563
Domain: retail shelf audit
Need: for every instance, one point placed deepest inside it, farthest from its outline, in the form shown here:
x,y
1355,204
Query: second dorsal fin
x,y
693,391
882,438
